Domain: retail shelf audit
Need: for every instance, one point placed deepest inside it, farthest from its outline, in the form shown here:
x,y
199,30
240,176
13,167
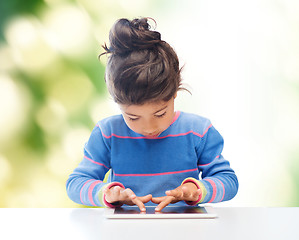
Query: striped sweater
x,y
188,150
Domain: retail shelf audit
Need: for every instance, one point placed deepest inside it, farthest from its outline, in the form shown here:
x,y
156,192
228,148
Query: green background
x,y
241,62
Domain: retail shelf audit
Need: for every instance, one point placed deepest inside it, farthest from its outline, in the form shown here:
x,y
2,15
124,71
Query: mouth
x,y
152,135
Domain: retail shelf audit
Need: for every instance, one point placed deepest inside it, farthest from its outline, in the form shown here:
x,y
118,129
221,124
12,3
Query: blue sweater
x,y
189,148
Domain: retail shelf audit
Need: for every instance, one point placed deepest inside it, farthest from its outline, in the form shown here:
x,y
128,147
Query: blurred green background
x,y
241,63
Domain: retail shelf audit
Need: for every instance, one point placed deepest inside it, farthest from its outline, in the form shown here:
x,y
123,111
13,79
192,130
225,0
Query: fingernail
x,y
143,209
157,209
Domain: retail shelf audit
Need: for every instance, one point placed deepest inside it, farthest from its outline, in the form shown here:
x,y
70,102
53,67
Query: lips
x,y
153,135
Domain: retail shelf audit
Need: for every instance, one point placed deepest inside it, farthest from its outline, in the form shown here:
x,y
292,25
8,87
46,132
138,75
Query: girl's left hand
x,y
185,192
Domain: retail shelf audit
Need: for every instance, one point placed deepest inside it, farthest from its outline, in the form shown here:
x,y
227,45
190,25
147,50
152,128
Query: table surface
x,y
90,223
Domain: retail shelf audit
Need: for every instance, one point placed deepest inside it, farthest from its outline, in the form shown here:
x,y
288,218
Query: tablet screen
x,y
166,210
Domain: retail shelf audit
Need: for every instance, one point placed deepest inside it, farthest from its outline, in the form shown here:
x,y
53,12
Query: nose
x,y
149,128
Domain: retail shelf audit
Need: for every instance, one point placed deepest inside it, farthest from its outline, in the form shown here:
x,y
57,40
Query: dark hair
x,y
141,67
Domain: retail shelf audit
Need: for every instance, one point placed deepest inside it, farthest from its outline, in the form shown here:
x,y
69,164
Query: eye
x,y
133,119
161,115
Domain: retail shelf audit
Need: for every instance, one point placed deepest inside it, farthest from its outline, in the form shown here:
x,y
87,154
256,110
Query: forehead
x,y
147,108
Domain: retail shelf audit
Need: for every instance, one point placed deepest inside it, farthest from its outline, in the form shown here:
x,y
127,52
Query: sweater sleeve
x,y
85,185
218,178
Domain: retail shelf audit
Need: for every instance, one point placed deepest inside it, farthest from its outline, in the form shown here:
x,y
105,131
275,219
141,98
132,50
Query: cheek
x,y
166,122
132,125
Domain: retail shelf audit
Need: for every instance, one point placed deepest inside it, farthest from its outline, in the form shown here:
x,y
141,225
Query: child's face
x,y
149,119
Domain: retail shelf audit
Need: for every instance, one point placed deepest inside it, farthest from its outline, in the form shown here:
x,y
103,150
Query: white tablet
x,y
131,212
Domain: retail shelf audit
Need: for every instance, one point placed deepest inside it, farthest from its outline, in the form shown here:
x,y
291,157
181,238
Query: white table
x,y
89,223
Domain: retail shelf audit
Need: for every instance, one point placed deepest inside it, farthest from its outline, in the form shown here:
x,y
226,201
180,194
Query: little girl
x,y
156,155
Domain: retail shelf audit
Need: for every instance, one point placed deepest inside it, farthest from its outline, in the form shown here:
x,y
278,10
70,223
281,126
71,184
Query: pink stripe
x,y
201,165
214,189
82,189
101,164
223,190
153,174
170,135
204,133
90,189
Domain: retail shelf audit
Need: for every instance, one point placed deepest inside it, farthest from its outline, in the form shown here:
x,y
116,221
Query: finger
x,y
175,193
134,199
107,194
186,192
146,198
139,203
194,197
197,194
130,198
191,196
157,200
112,194
164,203
127,194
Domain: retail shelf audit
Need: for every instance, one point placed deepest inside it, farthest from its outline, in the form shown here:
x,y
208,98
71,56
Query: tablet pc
x,y
131,212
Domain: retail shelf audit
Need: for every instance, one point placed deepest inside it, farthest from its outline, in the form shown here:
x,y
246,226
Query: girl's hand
x,y
126,196
185,192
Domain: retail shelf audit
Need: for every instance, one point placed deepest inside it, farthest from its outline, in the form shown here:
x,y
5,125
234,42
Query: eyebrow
x,y
153,113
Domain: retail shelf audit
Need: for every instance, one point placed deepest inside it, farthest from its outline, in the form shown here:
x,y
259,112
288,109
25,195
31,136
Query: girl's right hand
x,y
126,196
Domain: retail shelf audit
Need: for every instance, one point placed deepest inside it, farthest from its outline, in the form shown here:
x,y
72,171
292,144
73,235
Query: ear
x,y
175,95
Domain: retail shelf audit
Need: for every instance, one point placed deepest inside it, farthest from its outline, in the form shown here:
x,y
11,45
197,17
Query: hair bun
x,y
126,36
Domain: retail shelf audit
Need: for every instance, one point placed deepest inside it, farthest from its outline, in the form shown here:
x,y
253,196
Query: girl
x,y
156,155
